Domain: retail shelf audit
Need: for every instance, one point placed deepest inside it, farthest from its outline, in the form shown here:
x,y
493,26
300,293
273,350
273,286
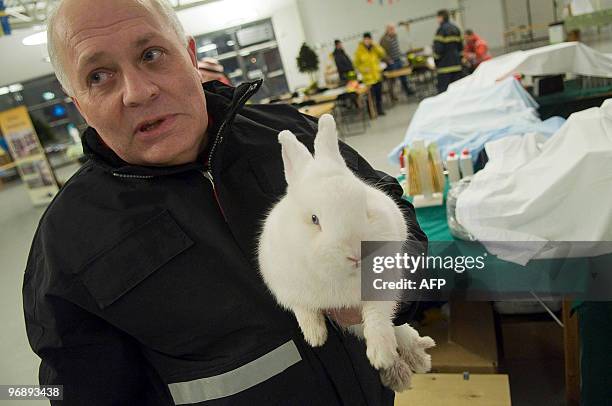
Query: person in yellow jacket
x,y
367,61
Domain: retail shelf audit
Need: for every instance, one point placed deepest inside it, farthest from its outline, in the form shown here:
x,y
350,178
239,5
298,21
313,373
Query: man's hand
x,y
346,317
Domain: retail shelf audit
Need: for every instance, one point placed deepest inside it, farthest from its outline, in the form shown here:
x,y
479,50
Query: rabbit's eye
x,y
315,219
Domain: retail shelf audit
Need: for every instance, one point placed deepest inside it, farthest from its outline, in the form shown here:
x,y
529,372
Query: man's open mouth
x,y
151,125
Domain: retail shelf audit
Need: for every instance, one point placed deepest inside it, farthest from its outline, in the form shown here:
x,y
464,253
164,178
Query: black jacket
x,y
343,62
447,48
142,288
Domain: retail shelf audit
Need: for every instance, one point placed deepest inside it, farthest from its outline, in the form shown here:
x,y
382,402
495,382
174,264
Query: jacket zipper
x,y
129,176
218,139
208,175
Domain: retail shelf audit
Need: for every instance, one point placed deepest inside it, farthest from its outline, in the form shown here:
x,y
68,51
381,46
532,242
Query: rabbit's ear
x,y
295,155
326,142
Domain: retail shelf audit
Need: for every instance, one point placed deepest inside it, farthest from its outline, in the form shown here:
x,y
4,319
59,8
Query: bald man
x,y
390,44
141,287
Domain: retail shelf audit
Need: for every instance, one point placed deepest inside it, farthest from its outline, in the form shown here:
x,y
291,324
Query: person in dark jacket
x,y
343,62
141,287
447,48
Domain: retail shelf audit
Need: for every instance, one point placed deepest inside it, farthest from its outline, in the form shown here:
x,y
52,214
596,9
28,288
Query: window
x,y
247,52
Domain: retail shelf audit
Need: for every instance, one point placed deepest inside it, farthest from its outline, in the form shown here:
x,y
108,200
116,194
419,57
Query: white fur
x,y
307,266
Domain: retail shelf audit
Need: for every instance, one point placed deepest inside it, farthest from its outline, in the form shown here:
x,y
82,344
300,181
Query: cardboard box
x,y
454,390
466,342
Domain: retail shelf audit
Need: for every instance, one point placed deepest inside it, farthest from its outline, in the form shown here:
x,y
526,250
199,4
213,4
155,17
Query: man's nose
x,y
138,89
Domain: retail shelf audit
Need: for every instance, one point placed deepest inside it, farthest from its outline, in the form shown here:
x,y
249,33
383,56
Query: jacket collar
x,y
222,102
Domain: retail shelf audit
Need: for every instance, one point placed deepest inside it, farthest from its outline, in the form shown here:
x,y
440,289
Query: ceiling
x,y
30,13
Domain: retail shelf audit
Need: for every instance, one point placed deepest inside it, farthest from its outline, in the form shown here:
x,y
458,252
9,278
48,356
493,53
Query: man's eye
x,y
151,55
98,78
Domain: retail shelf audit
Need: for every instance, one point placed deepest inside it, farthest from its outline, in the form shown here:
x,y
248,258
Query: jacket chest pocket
x,y
270,174
135,257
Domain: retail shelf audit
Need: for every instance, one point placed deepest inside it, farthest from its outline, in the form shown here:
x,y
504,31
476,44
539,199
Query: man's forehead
x,y
82,18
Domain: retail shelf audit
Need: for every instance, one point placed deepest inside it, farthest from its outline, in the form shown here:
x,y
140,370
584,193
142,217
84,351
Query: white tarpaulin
x,y
537,190
469,117
566,57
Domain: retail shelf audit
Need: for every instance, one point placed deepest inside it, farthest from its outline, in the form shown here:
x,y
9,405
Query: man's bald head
x,y
63,13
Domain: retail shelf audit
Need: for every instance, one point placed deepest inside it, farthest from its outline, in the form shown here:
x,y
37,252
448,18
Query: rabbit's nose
x,y
356,261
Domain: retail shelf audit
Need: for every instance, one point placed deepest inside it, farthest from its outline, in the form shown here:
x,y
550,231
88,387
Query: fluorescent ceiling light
x,y
4,90
48,96
40,38
17,87
207,48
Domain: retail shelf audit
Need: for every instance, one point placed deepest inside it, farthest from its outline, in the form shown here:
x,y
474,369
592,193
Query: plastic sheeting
x,y
537,190
566,57
469,117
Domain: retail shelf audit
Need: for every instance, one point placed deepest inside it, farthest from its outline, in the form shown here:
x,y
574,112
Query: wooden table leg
x,y
572,354
371,107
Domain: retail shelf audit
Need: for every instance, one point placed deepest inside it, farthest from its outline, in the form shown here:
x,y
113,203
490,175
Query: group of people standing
x,y
367,61
452,58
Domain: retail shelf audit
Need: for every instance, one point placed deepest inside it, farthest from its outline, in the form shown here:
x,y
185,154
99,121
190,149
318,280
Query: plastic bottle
x,y
423,172
452,167
465,163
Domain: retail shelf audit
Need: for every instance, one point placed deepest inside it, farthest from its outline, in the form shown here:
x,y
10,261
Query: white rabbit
x,y
309,253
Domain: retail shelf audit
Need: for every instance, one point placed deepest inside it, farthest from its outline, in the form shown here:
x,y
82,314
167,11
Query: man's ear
x,y
191,48
78,106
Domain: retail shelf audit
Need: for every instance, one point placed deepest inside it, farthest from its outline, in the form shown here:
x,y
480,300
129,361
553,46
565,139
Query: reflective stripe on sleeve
x,y
447,39
237,380
450,69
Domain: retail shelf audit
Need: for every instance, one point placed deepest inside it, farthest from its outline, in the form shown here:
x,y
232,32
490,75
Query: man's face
x,y
133,80
440,19
367,41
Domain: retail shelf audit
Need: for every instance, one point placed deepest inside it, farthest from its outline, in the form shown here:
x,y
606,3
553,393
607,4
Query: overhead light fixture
x,y
47,96
17,87
4,90
207,48
40,38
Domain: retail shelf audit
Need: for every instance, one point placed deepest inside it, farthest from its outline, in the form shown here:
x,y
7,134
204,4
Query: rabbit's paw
x,y
414,354
315,334
313,326
397,378
381,356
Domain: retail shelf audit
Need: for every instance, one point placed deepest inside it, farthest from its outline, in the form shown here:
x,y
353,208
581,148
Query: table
x,y
433,222
394,74
453,389
332,94
317,110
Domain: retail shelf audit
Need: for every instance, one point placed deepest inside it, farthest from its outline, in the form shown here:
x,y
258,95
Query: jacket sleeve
x,y
460,42
357,61
439,47
380,51
96,363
